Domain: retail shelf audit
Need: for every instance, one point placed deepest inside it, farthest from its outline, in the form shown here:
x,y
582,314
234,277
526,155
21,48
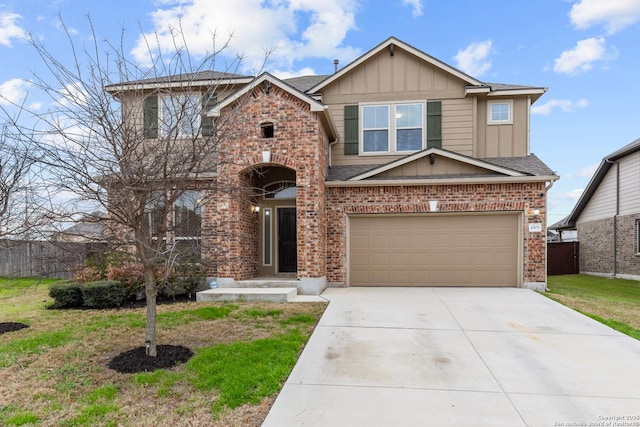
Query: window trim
x,y
637,239
508,121
267,219
392,146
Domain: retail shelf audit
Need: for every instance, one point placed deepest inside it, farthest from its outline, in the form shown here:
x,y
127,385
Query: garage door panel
x,y
441,250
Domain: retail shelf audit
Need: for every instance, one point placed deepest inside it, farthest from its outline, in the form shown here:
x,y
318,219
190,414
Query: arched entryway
x,y
274,205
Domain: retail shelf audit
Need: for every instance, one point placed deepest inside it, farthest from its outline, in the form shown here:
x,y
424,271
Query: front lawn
x,y
614,302
55,372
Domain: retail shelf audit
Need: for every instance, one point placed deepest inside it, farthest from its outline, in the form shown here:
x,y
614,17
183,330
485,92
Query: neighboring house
x,y
396,170
607,217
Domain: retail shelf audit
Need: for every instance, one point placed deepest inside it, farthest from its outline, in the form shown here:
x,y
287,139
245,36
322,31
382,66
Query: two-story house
x,y
396,170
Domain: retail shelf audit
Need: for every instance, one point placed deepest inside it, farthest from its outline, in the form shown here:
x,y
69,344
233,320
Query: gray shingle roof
x,y
530,165
304,83
187,77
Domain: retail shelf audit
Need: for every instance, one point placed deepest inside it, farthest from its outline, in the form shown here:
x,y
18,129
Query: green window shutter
x,y
208,102
150,113
434,124
351,130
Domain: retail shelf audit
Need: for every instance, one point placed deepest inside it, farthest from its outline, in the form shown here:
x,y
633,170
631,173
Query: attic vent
x,y
266,130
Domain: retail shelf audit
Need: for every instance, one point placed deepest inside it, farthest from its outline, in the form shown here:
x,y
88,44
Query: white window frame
x,y
267,247
637,239
508,120
195,121
393,128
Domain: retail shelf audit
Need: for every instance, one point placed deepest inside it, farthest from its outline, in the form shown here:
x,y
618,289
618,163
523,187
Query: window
x,y
500,112
393,127
638,236
280,190
188,214
267,236
180,115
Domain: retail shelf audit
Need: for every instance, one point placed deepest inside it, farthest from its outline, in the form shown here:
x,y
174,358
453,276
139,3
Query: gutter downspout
x,y
615,217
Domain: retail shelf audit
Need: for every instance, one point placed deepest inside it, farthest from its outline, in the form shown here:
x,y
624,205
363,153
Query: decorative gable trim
x,y
438,152
267,79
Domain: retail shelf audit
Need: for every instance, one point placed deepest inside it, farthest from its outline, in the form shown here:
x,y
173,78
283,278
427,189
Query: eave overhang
x,y
404,182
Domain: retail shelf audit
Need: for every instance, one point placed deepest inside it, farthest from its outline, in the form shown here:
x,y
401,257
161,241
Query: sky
x,y
586,52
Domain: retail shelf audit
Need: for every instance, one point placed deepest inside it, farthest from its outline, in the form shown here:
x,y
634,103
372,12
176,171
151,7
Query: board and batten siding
x,y
503,140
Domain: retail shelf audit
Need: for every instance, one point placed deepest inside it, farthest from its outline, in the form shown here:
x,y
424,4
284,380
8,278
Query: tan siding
x,y
509,140
603,202
441,166
630,184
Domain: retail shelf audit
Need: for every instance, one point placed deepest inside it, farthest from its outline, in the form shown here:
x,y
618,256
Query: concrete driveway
x,y
444,356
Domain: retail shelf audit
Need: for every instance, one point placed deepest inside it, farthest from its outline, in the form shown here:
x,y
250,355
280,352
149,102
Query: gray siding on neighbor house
x,y
630,184
603,202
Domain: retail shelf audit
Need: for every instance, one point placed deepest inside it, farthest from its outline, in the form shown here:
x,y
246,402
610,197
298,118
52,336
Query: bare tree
x,y
132,142
15,187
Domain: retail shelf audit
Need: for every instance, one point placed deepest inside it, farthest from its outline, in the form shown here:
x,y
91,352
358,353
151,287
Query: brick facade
x,y
596,246
519,197
230,230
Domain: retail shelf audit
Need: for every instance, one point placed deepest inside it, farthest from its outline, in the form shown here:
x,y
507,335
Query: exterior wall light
x,y
255,209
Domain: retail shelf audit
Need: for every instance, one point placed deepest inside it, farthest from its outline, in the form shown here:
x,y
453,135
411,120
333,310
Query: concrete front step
x,y
248,294
267,283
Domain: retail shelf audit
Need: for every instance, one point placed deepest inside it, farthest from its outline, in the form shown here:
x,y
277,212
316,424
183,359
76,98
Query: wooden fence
x,y
563,258
44,259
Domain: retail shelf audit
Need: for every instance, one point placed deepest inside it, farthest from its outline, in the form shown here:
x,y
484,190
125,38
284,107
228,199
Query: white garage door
x,y
434,250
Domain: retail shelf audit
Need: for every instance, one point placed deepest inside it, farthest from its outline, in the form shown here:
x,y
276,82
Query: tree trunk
x,y
151,293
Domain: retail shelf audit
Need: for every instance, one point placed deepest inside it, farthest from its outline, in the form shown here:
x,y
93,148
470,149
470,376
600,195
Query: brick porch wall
x,y
230,230
523,197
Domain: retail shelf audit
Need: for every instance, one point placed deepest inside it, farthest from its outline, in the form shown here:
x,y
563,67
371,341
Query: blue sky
x,y
587,52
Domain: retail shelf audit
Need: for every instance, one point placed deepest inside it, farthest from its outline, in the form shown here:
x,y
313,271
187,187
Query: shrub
x,y
66,294
89,274
129,275
102,294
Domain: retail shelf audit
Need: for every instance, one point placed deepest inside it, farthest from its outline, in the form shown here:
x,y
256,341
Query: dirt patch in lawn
x,y
136,360
11,327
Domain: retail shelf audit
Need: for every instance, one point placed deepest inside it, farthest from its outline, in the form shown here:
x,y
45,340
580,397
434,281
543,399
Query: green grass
x,y
613,302
245,372
57,372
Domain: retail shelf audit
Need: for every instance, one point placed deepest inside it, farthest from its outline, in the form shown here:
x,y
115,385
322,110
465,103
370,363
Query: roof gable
x,y
267,80
392,44
463,165
604,167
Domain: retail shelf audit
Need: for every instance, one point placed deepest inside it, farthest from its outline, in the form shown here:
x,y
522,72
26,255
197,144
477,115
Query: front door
x,y
287,250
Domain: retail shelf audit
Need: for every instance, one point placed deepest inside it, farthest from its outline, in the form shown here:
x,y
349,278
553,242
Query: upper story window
x,y
500,112
392,127
398,127
178,115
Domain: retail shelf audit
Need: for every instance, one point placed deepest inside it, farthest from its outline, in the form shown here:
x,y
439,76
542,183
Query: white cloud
x,y
416,5
13,91
9,30
613,15
581,58
255,25
473,60
565,105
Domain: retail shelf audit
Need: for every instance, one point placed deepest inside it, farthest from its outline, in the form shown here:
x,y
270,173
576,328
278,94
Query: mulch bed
x,y
136,360
11,326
